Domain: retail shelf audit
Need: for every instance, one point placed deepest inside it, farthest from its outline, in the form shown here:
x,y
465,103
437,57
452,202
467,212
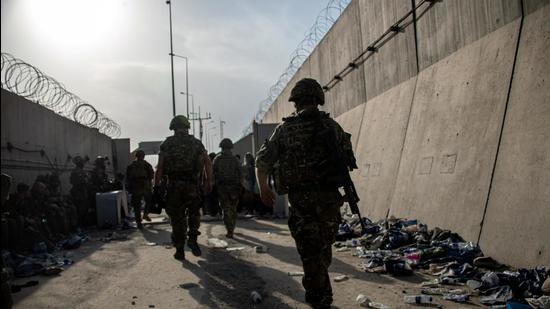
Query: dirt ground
x,y
136,274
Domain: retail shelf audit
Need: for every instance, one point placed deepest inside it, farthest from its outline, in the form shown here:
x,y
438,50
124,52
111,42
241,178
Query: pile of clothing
x,y
400,246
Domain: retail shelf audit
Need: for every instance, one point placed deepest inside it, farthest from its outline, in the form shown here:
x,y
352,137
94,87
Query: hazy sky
x,y
114,54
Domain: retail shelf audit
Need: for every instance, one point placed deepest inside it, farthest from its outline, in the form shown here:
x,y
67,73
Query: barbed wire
x,y
29,82
320,27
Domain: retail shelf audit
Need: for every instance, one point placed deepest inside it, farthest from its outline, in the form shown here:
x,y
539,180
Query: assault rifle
x,y
343,164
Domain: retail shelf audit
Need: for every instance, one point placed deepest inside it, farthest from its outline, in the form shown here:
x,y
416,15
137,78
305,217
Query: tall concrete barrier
x,y
453,134
30,128
395,62
452,24
518,212
453,127
380,145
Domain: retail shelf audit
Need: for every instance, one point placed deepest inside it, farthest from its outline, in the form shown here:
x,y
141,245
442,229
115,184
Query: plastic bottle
x,y
255,297
418,299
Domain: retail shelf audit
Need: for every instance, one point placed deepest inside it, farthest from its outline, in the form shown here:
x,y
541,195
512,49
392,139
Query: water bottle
x,y
255,297
418,299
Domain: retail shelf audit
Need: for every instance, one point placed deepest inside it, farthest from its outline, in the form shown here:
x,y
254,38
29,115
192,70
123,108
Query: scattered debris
x,y
151,244
418,299
235,249
52,270
362,300
295,273
217,243
255,297
261,249
341,278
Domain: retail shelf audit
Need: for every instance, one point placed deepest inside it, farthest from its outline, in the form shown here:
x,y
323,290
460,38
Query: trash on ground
x,y
255,297
418,299
362,300
235,248
261,249
341,278
151,244
295,273
217,243
459,298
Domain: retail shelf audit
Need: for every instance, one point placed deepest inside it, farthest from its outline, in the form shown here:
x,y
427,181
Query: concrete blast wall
x,y
450,119
31,127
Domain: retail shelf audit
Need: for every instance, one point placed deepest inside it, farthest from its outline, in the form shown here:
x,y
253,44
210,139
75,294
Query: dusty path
x,y
134,274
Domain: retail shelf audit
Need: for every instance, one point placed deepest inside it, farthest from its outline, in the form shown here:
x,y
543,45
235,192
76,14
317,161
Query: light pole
x,y
193,107
222,122
172,59
186,79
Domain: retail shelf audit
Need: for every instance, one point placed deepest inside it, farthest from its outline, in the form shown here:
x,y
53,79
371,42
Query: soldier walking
x,y
227,173
139,176
182,158
299,157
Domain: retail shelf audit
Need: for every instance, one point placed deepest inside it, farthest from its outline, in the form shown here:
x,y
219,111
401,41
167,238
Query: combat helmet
x,y
307,88
226,143
179,122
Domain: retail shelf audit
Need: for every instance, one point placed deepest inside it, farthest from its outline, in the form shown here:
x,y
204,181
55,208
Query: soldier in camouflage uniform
x,y
227,173
299,157
139,175
182,158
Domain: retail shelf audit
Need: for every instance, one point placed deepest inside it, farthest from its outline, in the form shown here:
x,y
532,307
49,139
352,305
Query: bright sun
x,y
73,24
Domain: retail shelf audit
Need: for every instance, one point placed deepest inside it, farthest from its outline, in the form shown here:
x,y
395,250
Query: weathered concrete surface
x,y
529,6
518,213
396,60
453,24
344,43
30,126
453,132
379,148
351,123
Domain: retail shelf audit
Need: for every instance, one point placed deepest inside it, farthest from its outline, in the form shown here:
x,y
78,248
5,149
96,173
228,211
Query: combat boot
x,y
194,246
180,254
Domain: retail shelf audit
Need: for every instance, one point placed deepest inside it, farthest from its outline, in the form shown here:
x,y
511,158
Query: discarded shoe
x,y
180,254
195,249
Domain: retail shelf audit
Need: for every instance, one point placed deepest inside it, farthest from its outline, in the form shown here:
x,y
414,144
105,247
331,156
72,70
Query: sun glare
x,y
73,25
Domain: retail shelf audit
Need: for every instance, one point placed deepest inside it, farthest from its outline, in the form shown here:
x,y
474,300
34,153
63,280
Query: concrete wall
x,y
518,213
450,119
32,127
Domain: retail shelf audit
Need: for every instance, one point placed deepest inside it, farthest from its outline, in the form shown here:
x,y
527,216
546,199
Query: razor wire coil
x,y
29,82
324,21
322,25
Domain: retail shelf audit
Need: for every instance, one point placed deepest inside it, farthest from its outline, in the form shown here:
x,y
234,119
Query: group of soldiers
x,y
296,156
300,161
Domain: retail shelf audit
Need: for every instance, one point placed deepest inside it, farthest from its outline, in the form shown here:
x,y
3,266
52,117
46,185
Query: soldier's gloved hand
x,y
267,196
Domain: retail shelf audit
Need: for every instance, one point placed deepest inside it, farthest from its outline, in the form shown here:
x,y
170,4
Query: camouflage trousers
x,y
229,200
183,204
137,197
313,223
